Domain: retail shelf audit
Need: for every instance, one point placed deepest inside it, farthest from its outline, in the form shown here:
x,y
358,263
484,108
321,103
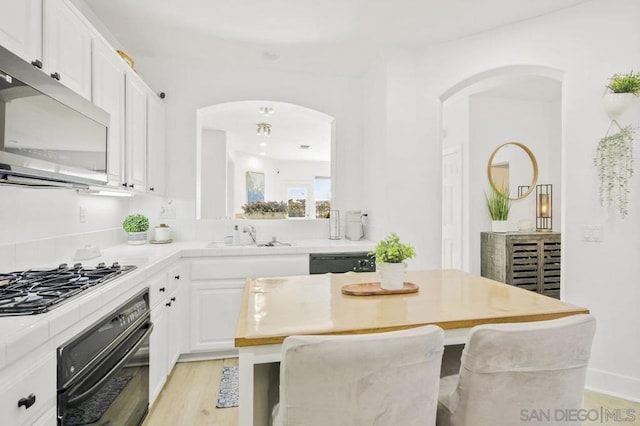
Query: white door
x,y
452,208
21,28
155,145
136,132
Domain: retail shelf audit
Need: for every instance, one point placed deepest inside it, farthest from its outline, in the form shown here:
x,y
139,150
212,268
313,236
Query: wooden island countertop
x,y
274,308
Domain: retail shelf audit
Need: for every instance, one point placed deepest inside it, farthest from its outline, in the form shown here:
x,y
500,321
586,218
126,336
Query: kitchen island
x,y
274,308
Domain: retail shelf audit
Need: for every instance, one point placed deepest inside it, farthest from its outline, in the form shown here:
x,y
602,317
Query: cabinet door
x,y
157,351
21,28
66,46
214,314
136,132
108,93
155,145
174,315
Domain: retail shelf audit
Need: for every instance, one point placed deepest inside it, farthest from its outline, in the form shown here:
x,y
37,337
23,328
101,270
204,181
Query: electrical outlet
x,y
167,212
82,216
592,233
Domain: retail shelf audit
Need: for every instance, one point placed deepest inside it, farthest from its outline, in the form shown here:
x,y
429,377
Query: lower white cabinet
x,y
29,391
167,303
217,286
214,312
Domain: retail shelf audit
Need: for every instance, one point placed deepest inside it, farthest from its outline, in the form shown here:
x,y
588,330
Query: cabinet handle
x,y
161,289
177,277
152,189
168,304
56,76
27,402
125,184
131,185
173,299
37,63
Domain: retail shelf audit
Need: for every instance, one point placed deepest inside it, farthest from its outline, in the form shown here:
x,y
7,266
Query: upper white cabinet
x,y
108,93
136,132
21,28
66,46
155,145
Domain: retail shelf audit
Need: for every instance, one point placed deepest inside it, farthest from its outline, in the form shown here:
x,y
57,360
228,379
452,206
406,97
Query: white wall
x,y
587,44
213,174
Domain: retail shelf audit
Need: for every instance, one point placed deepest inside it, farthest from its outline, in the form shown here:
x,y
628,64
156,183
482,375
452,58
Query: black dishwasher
x,y
321,263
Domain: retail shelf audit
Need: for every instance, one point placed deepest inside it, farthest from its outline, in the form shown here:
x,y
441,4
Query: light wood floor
x,y
189,398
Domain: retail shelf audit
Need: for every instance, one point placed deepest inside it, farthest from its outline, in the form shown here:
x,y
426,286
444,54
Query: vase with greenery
x,y
614,163
390,255
499,204
265,209
136,226
621,90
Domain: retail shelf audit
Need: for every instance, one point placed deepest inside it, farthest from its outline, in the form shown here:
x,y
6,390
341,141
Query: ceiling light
x,y
266,111
263,153
263,144
304,146
264,129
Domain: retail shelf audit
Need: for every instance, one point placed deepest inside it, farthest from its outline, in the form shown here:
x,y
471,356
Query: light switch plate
x,y
592,233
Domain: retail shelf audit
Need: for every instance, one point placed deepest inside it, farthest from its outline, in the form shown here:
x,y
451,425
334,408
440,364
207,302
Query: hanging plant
x,y
614,162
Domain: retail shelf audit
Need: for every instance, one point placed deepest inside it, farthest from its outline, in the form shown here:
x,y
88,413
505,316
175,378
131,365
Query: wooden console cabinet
x,y
526,260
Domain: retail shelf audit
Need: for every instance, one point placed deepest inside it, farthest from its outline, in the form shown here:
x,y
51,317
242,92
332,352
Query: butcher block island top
x,y
274,308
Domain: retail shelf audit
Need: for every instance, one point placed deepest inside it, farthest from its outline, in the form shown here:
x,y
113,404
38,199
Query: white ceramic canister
x,y
162,232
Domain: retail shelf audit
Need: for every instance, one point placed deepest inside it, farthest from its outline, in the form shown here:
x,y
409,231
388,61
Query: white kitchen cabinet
x,y
21,28
136,132
29,391
66,46
108,93
155,145
217,285
167,306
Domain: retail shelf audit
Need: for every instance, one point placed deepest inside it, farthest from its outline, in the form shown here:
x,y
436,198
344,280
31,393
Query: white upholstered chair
x,y
384,379
514,374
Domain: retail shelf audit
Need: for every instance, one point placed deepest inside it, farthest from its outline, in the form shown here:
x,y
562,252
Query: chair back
x,y
526,372
384,379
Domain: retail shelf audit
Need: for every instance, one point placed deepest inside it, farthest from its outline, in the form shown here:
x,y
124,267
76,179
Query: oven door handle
x,y
106,377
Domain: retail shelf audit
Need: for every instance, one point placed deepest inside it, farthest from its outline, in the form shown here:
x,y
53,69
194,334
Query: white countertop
x,y
21,334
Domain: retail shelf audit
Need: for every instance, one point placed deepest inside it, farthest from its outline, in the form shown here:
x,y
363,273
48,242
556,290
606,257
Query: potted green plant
x,y
499,204
136,226
614,162
620,92
265,210
390,255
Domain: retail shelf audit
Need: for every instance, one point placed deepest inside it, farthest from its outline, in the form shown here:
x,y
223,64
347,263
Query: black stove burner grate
x,y
38,290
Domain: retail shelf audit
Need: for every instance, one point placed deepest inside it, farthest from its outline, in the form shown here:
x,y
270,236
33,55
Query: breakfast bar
x,y
274,308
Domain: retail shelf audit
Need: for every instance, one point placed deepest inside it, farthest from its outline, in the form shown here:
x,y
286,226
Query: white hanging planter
x,y
499,225
615,104
392,275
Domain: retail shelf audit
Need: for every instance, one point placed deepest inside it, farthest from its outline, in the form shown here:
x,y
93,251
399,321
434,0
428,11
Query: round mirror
x,y
513,167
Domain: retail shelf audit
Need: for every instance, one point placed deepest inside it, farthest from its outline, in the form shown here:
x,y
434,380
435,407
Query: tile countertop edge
x,y
149,259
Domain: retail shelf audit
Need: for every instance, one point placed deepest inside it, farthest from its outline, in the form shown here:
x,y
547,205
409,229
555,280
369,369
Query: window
x,y
322,192
297,197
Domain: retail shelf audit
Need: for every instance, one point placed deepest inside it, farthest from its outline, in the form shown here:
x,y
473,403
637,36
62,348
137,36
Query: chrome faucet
x,y
251,231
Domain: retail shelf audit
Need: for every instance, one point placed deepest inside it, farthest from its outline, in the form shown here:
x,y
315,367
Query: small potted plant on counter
x,y
265,210
499,204
390,255
136,226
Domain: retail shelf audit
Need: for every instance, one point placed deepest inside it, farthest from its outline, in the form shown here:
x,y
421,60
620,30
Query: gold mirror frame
x,y
534,164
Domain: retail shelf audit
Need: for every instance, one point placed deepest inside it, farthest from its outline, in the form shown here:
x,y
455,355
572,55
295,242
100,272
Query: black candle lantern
x,y
543,208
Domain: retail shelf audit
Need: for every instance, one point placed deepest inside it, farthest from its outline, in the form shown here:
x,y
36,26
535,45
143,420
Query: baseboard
x,y
204,356
613,384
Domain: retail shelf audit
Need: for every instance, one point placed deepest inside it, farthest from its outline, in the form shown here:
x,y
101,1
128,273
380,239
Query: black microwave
x,y
49,135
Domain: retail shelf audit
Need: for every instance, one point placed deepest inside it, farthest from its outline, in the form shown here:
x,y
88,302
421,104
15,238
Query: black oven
x,y
103,374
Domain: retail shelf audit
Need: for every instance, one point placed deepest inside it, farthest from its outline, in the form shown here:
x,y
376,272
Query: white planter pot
x,y
392,275
137,238
615,104
499,225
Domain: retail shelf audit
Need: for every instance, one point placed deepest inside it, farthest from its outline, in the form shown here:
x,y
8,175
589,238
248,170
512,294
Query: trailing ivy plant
x,y
614,162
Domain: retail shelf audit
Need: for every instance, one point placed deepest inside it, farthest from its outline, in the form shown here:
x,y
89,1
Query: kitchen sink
x,y
245,245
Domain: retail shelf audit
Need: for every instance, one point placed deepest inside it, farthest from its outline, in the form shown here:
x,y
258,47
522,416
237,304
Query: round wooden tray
x,y
374,289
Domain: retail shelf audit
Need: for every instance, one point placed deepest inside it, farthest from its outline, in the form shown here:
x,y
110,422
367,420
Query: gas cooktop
x,y
39,290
